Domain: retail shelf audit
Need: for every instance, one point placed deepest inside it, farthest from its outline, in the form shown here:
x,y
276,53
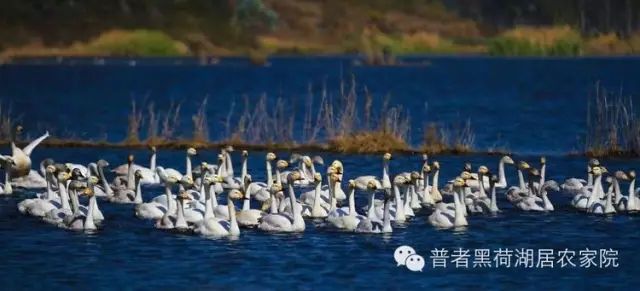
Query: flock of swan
x,y
294,191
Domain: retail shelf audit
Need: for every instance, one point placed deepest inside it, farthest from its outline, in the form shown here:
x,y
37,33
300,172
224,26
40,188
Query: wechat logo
x,y
407,256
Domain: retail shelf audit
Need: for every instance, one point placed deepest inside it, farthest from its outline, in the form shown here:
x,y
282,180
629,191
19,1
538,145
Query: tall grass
x,y
613,127
537,41
7,122
347,120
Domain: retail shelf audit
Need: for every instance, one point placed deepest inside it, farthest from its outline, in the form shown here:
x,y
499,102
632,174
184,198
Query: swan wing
x,y
31,146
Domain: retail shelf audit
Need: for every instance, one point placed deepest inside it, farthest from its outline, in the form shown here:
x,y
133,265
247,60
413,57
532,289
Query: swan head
x,y
494,179
372,185
594,162
245,153
130,159
271,156
435,165
317,178
275,188
220,158
467,167
508,160
282,164
138,174
534,172
211,179
46,162
76,185
153,149
415,176
426,169
620,175
459,182
76,173
386,156
483,170
64,176
229,148
337,165
191,152
186,181
543,160
522,165
93,180
19,129
235,194
425,157
102,163
318,160
632,174
247,179
597,171
466,175
400,180
388,194
171,179
352,184
88,191
306,160
294,176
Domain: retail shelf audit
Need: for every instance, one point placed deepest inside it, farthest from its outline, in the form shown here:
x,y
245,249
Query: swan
x,y
216,227
399,181
502,179
149,175
434,190
606,207
623,203
124,182
248,217
575,186
156,208
369,184
386,182
317,211
80,221
586,198
54,216
376,226
191,152
281,222
514,193
329,194
349,220
22,157
177,222
40,206
415,199
34,180
7,163
534,199
260,190
128,195
104,189
443,217
480,203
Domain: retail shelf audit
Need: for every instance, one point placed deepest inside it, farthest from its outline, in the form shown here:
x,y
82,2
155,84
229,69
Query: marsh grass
x,y
613,128
7,122
537,41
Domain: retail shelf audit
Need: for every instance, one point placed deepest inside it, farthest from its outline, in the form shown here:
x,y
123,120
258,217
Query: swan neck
x,y
269,176
180,220
292,198
138,198
481,184
316,198
64,195
208,209
152,161
130,177
352,202
371,206
386,224
246,202
616,188
89,224
460,220
502,179
243,170
105,183
521,180
494,203
189,166
400,215
233,229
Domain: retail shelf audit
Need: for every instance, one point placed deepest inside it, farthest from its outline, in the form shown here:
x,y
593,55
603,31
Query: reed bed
x,y
613,128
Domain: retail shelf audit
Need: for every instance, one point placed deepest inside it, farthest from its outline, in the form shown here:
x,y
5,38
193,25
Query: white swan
x,y
606,207
149,175
79,220
260,190
22,157
177,222
376,226
248,217
157,208
587,197
34,180
575,186
129,195
216,227
443,217
42,205
281,222
349,220
103,189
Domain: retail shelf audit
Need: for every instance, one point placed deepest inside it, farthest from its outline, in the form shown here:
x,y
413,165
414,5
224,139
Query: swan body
x,y
22,157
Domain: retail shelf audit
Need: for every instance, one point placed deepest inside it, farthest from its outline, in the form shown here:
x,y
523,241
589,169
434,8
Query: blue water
x,y
535,106
508,101
130,253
